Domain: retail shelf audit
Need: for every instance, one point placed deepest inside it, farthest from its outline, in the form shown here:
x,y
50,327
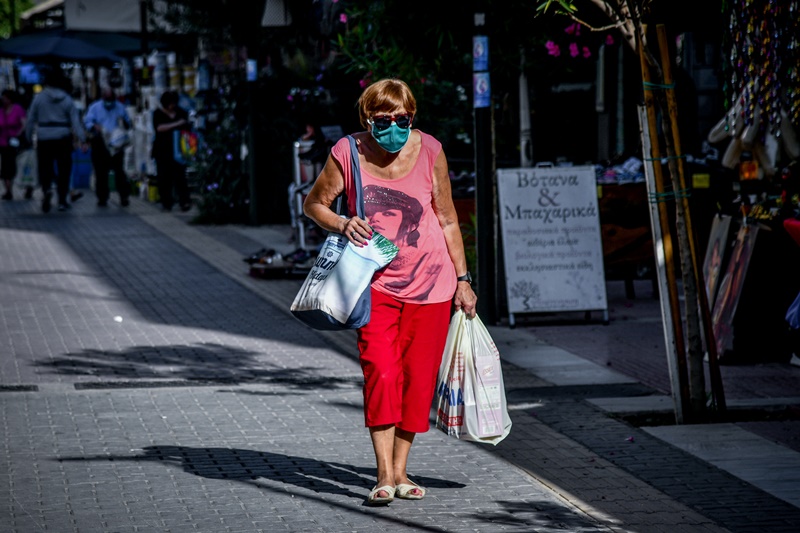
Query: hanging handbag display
x,y
185,144
336,292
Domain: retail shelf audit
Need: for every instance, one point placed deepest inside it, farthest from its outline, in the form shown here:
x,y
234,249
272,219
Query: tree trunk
x,y
694,341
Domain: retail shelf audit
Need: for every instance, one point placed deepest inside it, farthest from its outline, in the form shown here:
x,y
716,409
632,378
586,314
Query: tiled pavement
x,y
149,384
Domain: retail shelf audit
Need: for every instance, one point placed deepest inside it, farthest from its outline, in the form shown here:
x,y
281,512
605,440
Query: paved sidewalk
x,y
148,384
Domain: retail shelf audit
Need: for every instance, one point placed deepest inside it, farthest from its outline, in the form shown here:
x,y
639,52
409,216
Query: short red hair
x,y
385,95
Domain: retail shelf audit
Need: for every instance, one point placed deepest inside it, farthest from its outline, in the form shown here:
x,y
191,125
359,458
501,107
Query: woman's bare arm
x,y
445,211
317,205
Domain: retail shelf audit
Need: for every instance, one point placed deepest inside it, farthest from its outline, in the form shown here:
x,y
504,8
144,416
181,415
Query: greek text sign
x,y
551,239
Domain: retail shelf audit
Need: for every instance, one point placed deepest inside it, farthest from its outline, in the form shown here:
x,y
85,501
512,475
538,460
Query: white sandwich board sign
x,y
552,247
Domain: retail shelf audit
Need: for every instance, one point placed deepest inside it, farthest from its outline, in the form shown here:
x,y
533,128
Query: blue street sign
x,y
480,53
482,90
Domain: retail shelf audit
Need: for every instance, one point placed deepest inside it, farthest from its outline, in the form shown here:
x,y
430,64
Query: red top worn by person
x,y
12,124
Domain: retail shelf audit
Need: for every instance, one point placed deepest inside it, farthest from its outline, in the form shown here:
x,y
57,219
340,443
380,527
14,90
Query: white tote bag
x,y
470,390
336,293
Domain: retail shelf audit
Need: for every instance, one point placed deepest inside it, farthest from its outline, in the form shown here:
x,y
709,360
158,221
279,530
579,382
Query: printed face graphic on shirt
x,y
397,216
387,223
393,214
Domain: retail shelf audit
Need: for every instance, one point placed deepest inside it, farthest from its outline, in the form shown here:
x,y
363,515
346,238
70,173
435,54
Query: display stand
x,y
301,260
552,246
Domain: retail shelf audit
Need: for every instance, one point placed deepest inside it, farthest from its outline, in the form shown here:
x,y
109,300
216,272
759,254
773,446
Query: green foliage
x,y
567,7
222,22
224,194
9,9
398,40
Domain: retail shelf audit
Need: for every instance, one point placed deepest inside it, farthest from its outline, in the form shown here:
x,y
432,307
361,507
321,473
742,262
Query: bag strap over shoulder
x,y
356,177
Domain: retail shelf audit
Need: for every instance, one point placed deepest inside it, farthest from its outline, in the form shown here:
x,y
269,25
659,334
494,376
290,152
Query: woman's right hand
x,y
356,230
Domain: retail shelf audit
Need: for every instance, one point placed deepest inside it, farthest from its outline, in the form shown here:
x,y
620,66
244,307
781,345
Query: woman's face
x,y
387,222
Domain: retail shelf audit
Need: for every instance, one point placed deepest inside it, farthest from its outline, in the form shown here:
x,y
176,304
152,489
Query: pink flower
x,y
573,50
290,98
552,49
586,52
570,29
609,39
362,83
343,18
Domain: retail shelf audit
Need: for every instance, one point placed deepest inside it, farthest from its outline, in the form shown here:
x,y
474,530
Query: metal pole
x,y
525,142
143,34
484,175
12,12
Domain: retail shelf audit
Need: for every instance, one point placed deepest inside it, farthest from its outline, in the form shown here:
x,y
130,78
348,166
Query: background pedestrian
x,y
171,174
405,173
54,118
107,121
12,126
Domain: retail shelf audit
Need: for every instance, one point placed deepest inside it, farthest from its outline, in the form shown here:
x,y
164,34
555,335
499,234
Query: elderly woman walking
x,y
407,199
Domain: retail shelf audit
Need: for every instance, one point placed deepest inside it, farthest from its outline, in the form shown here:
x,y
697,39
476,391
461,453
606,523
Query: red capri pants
x,y
400,352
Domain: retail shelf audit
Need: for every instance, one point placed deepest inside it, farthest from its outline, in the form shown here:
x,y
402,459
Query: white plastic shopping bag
x,y
471,395
27,174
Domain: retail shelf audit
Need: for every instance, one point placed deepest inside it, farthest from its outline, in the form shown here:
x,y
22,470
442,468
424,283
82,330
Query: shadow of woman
x,y
246,466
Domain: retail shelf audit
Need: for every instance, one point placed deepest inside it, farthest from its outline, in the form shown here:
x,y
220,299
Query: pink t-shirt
x,y
11,123
401,210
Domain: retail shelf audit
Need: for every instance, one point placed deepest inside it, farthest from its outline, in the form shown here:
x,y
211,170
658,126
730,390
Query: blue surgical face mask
x,y
393,138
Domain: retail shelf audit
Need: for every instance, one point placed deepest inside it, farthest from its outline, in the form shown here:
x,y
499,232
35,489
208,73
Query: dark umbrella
x,y
54,47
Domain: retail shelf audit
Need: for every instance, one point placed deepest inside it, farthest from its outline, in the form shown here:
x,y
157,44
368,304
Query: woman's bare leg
x,y
402,446
383,442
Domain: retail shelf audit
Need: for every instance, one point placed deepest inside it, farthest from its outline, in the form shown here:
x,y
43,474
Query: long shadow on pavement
x,y
247,466
209,362
325,477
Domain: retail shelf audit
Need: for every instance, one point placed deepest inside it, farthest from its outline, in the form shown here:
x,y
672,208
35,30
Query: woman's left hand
x,y
465,299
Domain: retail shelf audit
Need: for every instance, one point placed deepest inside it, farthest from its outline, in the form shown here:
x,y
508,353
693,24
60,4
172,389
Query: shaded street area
x,y
147,383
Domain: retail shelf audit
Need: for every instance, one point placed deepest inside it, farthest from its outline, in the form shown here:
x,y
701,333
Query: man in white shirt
x,y
107,122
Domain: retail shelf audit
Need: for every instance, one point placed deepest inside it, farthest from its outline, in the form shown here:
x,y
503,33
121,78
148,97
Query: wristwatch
x,y
466,277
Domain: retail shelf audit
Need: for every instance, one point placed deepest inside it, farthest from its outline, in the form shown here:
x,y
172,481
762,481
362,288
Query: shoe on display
x,y
253,258
298,256
75,196
63,207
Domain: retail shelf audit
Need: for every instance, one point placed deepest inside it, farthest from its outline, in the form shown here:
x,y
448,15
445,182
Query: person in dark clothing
x,y
104,120
54,116
171,174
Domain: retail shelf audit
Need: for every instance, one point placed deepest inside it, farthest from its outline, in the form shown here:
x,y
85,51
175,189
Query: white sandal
x,y
374,499
404,491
